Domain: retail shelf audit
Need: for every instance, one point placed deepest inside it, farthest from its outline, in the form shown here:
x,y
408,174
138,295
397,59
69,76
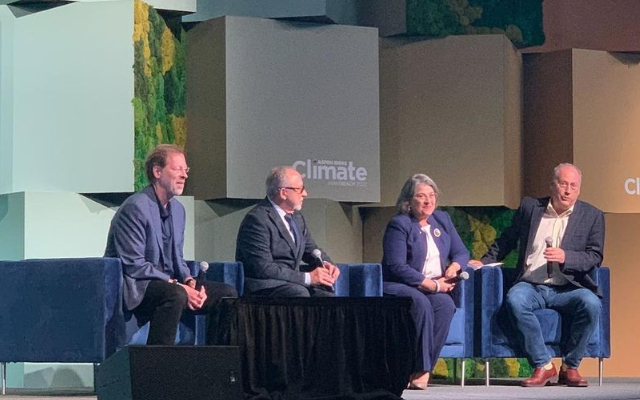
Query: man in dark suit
x,y
561,241
147,234
273,240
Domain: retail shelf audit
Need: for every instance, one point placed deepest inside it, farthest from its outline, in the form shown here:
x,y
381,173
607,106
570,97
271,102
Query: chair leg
x,y
486,373
462,366
600,362
3,370
455,369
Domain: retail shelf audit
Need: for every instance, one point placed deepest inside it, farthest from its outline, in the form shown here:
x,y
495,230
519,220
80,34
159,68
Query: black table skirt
x,y
320,348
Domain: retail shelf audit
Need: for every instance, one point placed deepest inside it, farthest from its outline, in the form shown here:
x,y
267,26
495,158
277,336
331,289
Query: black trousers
x,y
164,303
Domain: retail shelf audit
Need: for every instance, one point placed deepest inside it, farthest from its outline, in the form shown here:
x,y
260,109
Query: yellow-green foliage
x,y
159,79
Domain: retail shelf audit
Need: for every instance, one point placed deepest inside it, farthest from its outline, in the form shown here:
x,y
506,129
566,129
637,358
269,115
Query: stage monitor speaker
x,y
170,373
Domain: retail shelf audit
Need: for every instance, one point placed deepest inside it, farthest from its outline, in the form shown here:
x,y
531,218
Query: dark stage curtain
x,y
320,348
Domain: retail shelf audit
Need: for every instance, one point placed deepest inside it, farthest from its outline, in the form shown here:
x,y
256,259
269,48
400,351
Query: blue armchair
x,y
70,310
459,342
359,280
492,338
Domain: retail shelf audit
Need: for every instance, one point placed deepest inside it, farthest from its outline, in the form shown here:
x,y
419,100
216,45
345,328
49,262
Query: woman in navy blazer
x,y
422,252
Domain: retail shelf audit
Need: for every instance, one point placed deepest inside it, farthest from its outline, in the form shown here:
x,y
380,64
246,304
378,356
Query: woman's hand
x,y
452,270
445,285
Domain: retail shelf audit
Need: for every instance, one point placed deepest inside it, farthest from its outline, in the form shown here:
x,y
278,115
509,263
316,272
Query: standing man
x,y
147,234
273,240
561,240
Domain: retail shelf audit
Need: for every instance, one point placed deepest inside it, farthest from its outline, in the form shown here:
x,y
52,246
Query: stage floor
x,y
613,389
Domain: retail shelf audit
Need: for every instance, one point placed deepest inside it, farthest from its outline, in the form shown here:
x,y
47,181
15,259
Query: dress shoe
x,y
415,385
571,377
541,377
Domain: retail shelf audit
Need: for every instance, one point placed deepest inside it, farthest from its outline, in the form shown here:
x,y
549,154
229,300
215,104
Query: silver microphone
x,y
204,266
317,254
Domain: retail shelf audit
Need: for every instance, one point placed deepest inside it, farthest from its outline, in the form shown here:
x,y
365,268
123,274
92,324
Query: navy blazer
x,y
405,247
268,253
583,240
135,236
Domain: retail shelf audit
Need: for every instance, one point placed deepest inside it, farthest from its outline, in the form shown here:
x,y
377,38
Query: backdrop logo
x,y
334,172
632,186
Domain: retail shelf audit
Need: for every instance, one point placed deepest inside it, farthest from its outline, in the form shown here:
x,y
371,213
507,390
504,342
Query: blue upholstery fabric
x,y
60,310
459,342
70,310
359,280
494,338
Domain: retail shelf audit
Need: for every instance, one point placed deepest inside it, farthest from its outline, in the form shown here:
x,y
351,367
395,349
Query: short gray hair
x,y
409,190
276,180
556,171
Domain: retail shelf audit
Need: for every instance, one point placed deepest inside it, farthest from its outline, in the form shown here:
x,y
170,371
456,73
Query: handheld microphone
x,y
204,266
317,254
462,276
549,242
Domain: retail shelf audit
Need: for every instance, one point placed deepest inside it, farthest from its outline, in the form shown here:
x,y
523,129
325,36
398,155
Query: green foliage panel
x,y
519,20
159,79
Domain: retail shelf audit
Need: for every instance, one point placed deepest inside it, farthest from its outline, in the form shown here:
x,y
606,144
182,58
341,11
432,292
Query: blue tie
x,y
294,229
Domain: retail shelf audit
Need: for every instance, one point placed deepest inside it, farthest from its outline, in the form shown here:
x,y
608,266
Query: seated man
x,y
561,241
147,234
273,240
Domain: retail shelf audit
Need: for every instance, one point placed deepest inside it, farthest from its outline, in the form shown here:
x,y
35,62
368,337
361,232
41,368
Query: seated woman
x,y
422,252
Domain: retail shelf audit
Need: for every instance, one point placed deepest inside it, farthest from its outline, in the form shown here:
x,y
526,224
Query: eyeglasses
x,y
297,190
564,185
423,196
181,169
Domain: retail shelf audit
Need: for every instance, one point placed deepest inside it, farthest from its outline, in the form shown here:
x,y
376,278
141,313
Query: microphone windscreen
x,y
549,241
204,266
463,276
317,254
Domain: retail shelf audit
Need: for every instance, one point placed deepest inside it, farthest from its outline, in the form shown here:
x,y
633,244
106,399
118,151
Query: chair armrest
x,y
488,301
61,310
359,280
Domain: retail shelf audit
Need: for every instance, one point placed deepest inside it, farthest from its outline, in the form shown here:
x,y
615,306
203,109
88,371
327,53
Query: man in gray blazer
x,y
147,234
561,240
273,240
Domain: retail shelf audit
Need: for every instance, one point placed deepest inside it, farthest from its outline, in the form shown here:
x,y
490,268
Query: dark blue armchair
x,y
359,280
70,310
493,340
459,342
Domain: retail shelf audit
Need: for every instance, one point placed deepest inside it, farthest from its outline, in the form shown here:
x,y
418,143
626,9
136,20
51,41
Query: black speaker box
x,y
170,373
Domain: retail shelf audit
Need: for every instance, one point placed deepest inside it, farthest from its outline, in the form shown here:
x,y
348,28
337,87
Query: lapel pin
x,y
436,232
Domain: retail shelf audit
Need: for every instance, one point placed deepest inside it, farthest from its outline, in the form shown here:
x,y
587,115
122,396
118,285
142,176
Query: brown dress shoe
x,y
541,377
571,377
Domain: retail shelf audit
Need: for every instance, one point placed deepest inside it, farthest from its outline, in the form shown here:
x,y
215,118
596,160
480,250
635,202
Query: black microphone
x,y
317,254
204,266
462,276
549,241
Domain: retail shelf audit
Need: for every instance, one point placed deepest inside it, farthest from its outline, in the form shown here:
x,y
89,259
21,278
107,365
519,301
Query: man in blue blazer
x,y
561,241
147,234
273,241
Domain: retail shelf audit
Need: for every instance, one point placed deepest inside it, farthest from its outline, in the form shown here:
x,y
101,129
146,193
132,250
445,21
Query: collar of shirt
x,y
164,212
550,211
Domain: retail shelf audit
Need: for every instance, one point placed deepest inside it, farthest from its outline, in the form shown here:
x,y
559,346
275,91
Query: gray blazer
x,y
268,253
135,237
583,240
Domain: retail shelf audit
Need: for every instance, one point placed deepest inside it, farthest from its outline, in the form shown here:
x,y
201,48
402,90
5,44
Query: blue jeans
x,y
582,305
